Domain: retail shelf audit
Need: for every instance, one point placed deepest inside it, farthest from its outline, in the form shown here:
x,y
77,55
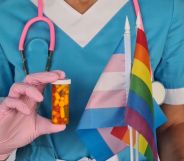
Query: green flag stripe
x,y
139,87
148,154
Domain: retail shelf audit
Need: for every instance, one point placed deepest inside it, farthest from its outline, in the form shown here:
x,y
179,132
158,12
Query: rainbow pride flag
x,y
123,133
140,106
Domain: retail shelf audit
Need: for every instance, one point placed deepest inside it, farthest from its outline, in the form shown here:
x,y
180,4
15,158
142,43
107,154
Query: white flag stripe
x,y
111,81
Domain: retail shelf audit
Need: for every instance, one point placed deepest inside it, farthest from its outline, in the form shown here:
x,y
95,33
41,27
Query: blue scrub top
x,y
164,26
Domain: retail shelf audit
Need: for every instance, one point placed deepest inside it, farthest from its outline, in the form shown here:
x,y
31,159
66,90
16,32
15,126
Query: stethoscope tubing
x,y
29,24
25,31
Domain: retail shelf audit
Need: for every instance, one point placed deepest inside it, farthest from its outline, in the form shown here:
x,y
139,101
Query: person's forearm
x,y
170,135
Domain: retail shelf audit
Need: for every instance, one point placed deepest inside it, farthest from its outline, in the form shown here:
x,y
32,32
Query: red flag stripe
x,y
141,39
119,132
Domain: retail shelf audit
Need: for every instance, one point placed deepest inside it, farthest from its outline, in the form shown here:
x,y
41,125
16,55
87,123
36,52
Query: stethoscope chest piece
x,y
159,92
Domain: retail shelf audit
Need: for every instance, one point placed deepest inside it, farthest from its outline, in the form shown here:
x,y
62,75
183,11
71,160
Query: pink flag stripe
x,y
138,122
116,63
114,143
107,99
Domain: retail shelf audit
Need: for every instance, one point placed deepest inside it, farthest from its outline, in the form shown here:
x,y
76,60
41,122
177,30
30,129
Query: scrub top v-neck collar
x,y
82,28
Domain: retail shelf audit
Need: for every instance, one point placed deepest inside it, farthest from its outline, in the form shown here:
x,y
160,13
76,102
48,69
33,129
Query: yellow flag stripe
x,y
142,144
140,70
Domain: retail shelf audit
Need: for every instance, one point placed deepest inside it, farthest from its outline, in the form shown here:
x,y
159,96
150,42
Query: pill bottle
x,y
60,101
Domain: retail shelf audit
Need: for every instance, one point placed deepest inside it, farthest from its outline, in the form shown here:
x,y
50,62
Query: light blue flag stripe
x,y
102,118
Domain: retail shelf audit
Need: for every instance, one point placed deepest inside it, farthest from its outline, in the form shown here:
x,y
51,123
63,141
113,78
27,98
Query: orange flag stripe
x,y
142,54
126,137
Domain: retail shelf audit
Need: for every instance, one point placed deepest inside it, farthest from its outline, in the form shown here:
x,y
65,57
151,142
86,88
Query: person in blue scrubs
x,y
82,51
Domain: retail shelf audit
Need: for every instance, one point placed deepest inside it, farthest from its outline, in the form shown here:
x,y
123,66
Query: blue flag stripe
x,y
138,104
102,118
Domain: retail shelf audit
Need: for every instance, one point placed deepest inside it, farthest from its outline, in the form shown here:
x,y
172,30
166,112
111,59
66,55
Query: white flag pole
x,y
137,147
127,42
131,144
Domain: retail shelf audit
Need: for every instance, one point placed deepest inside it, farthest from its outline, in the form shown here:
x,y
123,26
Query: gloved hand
x,y
19,122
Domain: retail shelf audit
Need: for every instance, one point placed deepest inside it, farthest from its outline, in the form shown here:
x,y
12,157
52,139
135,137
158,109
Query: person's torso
x,y
84,45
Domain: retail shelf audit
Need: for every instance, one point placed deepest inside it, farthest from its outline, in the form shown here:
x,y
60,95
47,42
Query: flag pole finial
x,y
127,25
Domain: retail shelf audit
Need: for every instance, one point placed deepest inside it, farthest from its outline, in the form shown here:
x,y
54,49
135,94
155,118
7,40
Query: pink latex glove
x,y
19,122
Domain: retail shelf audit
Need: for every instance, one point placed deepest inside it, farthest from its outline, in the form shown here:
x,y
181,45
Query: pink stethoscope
x,y
40,17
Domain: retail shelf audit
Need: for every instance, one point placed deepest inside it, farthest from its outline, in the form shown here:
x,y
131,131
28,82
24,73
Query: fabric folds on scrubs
x,y
84,62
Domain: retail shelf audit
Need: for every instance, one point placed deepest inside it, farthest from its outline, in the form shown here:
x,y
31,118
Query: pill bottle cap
x,y
64,81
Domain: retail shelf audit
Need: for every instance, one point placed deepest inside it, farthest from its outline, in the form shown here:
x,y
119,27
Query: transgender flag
x,y
105,109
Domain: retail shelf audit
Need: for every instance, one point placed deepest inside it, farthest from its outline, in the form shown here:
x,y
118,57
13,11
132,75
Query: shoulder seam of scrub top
x,y
80,27
171,21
